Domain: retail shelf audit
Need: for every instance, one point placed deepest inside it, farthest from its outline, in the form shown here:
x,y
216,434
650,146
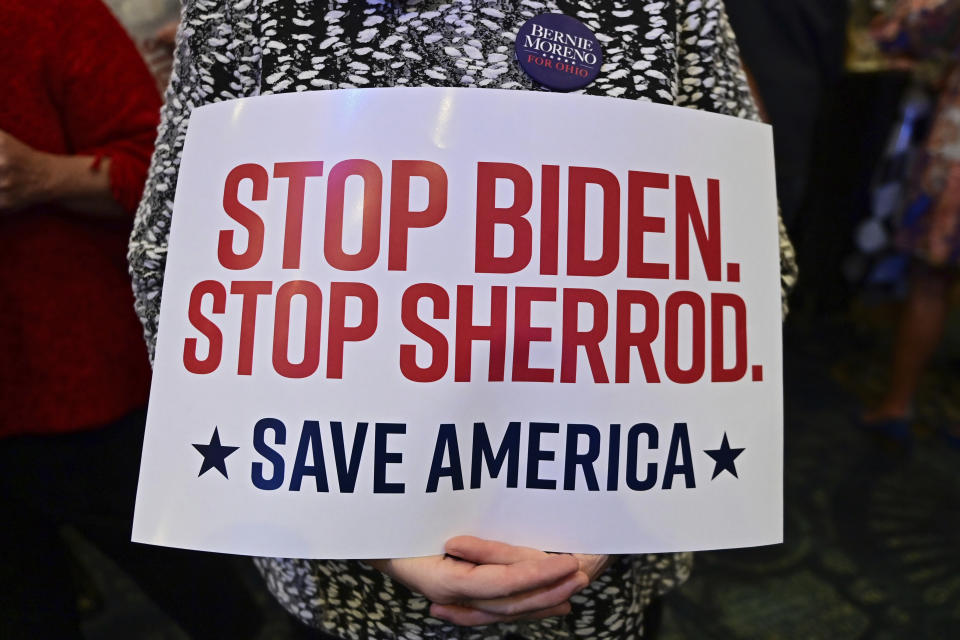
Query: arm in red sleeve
x,y
106,96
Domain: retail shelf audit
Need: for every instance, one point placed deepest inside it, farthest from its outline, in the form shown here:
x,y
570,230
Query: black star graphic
x,y
214,455
723,458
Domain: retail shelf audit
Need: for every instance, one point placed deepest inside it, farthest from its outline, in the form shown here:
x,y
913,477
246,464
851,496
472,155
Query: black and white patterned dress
x,y
679,52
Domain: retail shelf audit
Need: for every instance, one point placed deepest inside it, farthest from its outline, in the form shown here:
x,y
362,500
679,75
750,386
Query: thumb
x,y
480,551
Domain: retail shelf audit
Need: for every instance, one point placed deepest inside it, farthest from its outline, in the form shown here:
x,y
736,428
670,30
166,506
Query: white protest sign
x,y
393,316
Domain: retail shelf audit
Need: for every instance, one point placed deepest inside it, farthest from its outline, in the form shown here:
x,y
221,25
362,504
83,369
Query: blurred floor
x,y
872,531
114,608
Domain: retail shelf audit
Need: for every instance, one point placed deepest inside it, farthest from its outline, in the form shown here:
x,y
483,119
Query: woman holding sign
x,y
676,52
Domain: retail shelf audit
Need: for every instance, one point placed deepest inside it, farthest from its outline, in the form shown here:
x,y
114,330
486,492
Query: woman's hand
x,y
29,177
158,51
24,174
482,582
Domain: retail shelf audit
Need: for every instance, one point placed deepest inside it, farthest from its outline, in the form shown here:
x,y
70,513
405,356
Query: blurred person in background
x,y
78,117
152,24
793,50
931,224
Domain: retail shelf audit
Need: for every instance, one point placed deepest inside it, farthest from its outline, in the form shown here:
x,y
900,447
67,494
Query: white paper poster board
x,y
392,316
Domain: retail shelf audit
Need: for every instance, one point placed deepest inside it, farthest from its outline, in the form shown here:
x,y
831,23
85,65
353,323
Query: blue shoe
x,y
899,429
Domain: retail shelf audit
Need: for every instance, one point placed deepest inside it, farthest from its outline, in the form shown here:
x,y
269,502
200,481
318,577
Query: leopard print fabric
x,y
679,52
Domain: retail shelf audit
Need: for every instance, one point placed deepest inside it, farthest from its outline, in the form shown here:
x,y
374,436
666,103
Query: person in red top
x,y
78,117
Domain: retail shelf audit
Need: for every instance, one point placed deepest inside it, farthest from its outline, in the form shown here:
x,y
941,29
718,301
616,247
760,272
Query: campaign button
x,y
558,52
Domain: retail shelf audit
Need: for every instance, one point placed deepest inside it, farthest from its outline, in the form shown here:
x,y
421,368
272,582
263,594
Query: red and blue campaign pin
x,y
558,51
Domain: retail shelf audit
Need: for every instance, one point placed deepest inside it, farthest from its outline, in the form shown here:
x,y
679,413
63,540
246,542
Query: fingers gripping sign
x,y
481,582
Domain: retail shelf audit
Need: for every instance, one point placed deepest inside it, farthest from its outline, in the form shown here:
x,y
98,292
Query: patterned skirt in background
x,y
931,224
930,30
